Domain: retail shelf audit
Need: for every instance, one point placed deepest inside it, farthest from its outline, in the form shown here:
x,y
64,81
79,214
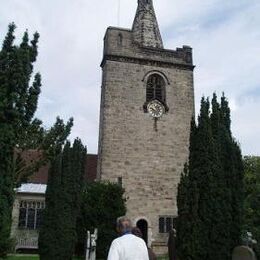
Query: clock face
x,y
155,108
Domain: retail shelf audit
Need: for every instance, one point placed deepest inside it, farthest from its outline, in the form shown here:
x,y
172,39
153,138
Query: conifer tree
x,y
19,129
187,202
211,188
48,236
221,217
201,172
58,234
234,172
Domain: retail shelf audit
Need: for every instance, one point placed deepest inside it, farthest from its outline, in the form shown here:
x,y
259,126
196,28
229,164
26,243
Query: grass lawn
x,y
23,257
29,257
163,258
36,257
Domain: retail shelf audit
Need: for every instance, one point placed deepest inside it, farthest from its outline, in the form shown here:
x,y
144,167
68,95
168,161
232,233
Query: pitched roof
x,y
41,176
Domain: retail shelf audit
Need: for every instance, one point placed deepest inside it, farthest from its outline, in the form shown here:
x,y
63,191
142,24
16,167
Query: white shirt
x,y
128,247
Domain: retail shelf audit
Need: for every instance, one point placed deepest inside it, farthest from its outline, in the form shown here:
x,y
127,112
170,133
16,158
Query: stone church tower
x,y
147,102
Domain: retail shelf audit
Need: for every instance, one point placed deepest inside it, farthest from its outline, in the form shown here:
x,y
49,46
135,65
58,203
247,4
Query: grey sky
x,y
225,37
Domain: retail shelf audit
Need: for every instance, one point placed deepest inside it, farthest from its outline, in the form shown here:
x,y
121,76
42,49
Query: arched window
x,y
155,88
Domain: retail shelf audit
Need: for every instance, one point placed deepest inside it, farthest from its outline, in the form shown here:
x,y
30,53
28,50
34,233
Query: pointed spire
x,y
145,27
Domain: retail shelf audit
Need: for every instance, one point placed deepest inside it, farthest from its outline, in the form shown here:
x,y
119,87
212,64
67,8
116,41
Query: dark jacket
x,y
172,246
151,254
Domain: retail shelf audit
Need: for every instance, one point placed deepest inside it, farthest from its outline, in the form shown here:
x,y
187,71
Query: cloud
x,y
225,37
246,127
226,57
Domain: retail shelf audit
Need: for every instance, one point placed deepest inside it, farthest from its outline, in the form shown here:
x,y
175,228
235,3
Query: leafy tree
x,y
210,192
14,113
102,203
19,129
45,141
252,198
58,233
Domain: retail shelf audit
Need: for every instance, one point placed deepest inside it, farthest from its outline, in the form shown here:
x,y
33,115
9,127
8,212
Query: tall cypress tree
x,y
197,187
202,172
221,218
234,172
187,202
58,234
49,231
211,189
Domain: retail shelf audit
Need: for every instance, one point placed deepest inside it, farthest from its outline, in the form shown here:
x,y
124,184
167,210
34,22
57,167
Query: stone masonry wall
x,y
150,162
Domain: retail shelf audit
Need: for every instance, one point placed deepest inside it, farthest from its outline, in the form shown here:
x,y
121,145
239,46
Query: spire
x,y
145,27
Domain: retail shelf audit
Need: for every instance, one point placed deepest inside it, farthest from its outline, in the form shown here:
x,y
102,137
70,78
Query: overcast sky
x,y
224,35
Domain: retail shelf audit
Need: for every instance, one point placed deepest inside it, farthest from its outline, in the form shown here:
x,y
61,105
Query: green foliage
x,y
47,141
102,203
13,257
210,193
18,102
19,130
252,198
63,196
31,257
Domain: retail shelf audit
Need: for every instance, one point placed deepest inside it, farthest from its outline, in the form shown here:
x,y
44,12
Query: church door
x,y
143,226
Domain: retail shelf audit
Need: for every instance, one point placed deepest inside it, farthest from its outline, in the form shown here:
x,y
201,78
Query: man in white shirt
x,y
127,246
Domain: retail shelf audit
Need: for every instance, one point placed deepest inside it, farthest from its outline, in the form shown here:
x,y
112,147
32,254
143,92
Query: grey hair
x,y
124,224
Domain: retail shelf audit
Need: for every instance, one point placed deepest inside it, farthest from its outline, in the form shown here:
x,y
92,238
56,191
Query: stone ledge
x,y
144,61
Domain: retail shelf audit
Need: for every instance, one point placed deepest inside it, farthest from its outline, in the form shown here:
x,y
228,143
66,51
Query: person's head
x,y
123,225
137,232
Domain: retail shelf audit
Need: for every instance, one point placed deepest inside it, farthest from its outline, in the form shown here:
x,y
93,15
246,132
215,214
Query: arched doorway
x,y
143,226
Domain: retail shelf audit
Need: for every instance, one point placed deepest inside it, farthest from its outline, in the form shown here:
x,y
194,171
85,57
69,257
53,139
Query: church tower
x,y
147,102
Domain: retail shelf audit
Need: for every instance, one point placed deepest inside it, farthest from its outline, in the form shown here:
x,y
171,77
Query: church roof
x,y
41,176
145,27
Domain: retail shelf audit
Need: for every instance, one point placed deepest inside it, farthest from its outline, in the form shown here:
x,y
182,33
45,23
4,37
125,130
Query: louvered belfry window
x,y
155,88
